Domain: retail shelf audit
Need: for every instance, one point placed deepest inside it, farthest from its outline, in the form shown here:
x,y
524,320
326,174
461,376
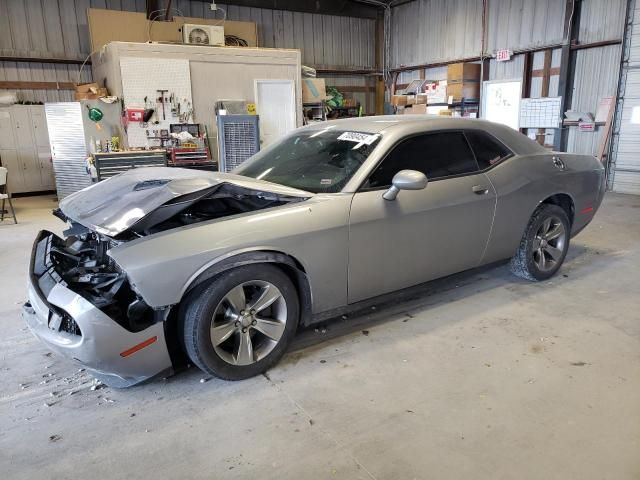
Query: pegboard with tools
x,y
156,93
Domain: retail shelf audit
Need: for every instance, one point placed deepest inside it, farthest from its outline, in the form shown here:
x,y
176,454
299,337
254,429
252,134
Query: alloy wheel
x,y
248,322
549,243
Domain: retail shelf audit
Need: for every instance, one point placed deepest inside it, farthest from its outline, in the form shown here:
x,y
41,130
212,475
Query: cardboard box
x,y
460,90
398,100
436,92
421,98
419,108
445,113
90,91
314,90
86,87
411,99
84,96
121,26
458,72
431,110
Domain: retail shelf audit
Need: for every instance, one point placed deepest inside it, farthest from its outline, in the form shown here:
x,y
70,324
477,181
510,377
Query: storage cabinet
x,y
24,148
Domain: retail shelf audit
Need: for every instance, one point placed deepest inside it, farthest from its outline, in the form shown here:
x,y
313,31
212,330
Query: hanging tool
x,y
162,100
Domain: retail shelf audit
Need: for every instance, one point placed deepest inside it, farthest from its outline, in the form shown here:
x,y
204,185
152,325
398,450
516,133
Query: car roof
x,y
379,123
410,124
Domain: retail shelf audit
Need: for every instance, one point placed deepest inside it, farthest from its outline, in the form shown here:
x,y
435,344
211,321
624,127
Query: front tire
x,y
544,244
241,323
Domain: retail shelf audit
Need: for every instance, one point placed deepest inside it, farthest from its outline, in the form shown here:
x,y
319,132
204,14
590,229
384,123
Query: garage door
x,y
625,174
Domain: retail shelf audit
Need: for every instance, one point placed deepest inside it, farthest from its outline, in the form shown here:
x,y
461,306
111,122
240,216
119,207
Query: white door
x,y
15,178
28,160
22,126
46,168
39,123
6,130
276,106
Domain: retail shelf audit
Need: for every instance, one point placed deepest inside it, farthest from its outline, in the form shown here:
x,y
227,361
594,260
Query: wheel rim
x,y
248,322
548,244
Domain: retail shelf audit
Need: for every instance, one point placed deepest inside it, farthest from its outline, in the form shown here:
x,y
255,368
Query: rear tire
x,y
241,323
544,244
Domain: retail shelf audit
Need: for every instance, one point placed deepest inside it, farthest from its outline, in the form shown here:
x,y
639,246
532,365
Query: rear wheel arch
x,y
291,266
564,201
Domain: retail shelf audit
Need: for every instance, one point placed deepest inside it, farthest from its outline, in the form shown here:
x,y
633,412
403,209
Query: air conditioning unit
x,y
238,139
203,34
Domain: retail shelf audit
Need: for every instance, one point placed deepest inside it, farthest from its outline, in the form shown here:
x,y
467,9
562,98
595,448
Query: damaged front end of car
x,y
81,306
82,303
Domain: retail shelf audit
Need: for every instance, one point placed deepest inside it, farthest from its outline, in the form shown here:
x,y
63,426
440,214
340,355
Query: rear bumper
x,y
72,326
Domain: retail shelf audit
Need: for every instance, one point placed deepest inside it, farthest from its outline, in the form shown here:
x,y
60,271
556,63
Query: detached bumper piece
x,y
71,325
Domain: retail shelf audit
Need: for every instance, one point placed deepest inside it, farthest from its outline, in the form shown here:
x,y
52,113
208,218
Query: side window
x,y
488,150
436,155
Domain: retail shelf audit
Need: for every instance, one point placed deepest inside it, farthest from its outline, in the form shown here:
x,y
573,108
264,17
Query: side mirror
x,y
405,180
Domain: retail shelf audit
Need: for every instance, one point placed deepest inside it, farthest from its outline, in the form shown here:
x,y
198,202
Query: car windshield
x,y
318,161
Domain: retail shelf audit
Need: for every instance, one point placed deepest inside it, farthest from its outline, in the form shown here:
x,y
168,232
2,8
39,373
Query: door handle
x,y
480,189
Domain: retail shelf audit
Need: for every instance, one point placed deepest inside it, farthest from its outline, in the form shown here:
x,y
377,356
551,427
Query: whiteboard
x,y
501,102
540,112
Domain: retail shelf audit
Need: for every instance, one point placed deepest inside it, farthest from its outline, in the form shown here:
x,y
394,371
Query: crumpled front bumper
x,y
72,326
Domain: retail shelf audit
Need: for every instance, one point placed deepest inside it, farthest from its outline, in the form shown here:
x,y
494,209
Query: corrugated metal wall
x,y
625,171
325,40
429,31
597,70
601,20
596,76
58,29
49,29
520,24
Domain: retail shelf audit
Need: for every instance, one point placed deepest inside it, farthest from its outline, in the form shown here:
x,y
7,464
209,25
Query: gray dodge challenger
x,y
160,267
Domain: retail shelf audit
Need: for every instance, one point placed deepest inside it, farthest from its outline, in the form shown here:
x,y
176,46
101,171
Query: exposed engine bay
x,y
82,261
216,202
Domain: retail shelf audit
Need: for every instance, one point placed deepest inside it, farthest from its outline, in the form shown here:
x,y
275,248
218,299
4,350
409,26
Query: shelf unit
x,y
24,148
318,112
345,112
464,104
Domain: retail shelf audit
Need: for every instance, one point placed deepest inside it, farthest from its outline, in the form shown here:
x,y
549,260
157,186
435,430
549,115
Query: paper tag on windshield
x,y
358,137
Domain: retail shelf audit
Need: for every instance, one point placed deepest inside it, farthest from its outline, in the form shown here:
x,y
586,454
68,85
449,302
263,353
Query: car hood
x,y
112,206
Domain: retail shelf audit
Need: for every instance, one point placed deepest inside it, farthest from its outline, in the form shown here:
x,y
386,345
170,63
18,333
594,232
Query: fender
x,y
295,269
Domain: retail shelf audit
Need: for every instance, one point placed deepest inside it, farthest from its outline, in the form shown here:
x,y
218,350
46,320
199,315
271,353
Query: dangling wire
x,y
386,42
155,14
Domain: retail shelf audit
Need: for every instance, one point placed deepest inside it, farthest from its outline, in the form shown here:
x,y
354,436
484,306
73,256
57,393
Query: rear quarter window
x,y
488,150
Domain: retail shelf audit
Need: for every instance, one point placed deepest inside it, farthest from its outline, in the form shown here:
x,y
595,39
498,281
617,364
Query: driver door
x,y
422,234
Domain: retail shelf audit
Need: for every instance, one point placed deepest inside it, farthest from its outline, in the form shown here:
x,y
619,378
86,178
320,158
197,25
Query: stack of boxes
x,y
444,97
463,82
407,104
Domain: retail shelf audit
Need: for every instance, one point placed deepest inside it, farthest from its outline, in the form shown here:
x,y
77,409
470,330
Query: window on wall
x,y
437,155
487,149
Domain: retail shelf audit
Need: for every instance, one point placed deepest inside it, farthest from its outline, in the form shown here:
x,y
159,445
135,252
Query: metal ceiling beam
x,y
347,8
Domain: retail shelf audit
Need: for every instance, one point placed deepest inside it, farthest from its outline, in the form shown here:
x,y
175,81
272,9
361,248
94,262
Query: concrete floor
x,y
481,375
